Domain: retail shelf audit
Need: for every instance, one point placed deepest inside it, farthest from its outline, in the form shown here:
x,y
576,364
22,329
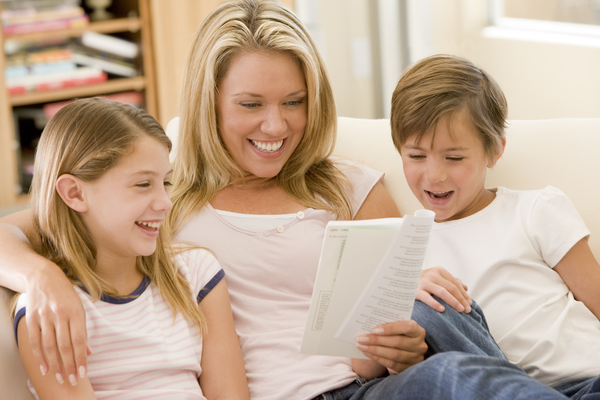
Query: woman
x,y
254,182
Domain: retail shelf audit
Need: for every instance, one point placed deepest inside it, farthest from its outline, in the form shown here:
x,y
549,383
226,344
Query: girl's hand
x,y
439,282
56,322
395,346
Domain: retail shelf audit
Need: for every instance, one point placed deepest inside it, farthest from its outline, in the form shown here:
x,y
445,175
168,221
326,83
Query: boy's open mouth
x,y
440,195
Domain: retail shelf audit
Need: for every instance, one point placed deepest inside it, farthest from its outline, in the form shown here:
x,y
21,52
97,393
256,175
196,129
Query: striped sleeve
x,y
201,269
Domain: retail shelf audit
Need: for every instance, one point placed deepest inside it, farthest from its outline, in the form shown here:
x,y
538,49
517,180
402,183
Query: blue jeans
x,y
463,362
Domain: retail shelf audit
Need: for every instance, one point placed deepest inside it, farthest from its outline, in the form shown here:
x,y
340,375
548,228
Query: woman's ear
x,y
492,163
70,190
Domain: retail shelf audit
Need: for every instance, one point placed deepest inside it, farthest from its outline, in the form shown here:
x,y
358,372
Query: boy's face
x,y
448,175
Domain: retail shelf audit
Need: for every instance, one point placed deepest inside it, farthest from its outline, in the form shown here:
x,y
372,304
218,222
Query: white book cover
x,y
368,275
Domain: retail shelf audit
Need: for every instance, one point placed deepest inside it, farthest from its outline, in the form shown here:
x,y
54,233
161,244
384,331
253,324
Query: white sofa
x,y
562,152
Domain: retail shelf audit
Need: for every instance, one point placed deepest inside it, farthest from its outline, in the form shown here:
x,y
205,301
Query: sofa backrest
x,y
560,152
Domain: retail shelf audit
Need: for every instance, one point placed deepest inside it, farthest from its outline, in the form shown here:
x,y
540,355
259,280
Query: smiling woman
x,y
261,112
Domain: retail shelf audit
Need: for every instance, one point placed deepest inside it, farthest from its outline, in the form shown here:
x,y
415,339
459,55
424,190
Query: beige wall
x,y
347,31
540,80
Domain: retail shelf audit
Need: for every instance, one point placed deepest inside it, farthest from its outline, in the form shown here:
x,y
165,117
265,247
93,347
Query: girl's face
x,y
127,205
447,175
261,111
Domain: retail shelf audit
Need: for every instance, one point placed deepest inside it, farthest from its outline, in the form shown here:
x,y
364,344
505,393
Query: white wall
x,y
541,79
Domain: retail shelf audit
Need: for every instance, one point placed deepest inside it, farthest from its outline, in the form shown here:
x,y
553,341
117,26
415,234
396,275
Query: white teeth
x,y
154,225
269,147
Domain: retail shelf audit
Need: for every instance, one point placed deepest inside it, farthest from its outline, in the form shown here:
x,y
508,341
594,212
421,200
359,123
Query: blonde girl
x,y
99,199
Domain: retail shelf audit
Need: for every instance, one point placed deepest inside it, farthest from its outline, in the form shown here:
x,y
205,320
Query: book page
x,y
331,255
390,293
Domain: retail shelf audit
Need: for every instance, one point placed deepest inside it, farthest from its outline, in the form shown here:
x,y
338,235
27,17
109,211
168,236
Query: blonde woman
x,y
254,181
99,199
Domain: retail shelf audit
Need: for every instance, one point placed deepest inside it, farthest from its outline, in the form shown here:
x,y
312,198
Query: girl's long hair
x,y
85,139
203,165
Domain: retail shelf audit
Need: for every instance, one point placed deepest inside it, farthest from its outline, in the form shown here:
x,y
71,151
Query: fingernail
x,y
461,308
362,339
43,370
360,346
73,380
59,378
377,330
82,372
468,309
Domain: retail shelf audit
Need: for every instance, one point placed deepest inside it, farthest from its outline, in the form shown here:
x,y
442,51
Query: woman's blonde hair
x,y
442,86
85,139
203,165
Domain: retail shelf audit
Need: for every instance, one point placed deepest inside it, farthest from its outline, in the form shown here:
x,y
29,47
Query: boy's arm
x,y
223,374
47,386
581,272
56,318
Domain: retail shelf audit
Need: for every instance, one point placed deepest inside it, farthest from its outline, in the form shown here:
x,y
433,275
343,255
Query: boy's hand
x,y
396,346
439,282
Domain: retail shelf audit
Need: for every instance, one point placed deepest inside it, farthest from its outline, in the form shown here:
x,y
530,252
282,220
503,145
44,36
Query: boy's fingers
x,y
426,298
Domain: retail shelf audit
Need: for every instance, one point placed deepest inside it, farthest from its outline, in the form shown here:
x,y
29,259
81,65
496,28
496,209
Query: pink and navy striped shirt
x,y
139,351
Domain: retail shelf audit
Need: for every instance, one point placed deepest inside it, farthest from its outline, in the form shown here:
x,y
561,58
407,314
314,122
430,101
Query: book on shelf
x,y
368,275
32,14
56,80
112,64
48,25
134,98
110,44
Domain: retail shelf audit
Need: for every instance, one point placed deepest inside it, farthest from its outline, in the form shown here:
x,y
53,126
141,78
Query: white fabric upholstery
x,y
561,153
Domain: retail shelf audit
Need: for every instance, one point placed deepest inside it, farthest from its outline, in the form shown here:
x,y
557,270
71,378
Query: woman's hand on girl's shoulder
x,y
438,282
52,384
55,315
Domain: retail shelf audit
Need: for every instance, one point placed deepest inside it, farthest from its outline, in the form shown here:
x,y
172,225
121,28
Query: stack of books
x,y
27,16
59,63
45,66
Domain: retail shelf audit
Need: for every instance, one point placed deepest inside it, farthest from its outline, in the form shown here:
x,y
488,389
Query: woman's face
x,y
262,111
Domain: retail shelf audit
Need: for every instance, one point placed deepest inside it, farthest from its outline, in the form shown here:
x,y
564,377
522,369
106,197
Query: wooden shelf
x,y
110,86
139,25
110,26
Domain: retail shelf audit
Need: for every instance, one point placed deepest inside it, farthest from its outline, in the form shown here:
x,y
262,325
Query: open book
x,y
368,275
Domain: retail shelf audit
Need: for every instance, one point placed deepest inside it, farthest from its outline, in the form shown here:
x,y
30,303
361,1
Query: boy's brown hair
x,y
441,86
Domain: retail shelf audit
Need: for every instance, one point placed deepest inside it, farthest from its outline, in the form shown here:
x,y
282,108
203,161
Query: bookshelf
x,y
131,22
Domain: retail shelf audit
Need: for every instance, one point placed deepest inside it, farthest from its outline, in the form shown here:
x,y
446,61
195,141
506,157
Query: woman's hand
x,y
56,326
439,282
395,346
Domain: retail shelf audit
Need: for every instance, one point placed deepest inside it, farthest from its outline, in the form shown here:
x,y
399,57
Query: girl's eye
x,y
168,184
249,105
143,185
455,158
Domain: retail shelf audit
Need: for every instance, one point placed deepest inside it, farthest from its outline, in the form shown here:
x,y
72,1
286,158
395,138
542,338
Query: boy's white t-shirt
x,y
139,351
506,254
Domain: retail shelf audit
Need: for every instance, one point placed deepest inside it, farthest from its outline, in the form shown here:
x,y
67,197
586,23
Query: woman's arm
x,y
223,374
581,272
55,315
48,386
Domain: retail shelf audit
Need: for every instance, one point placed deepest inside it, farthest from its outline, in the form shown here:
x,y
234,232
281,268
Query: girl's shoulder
x,y
197,264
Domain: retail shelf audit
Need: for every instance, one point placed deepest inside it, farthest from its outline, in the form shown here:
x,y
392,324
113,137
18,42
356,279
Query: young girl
x,y
100,197
523,254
